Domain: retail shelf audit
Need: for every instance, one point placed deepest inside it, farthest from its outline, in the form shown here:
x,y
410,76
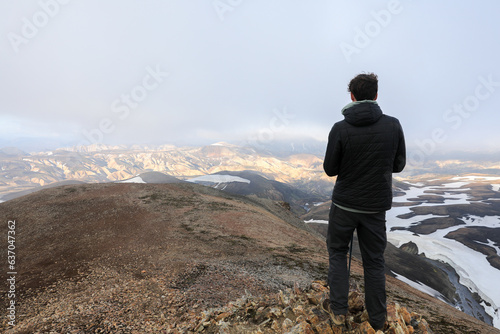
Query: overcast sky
x,y
203,71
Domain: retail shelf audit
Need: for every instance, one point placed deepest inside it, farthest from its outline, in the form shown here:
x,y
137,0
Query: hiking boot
x,y
337,319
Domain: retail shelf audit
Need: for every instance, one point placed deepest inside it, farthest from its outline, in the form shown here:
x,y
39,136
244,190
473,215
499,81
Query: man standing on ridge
x,y
363,151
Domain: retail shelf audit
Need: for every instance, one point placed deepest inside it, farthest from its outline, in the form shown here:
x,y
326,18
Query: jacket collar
x,y
361,113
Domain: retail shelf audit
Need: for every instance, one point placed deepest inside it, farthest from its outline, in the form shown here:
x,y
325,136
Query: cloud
x,y
229,70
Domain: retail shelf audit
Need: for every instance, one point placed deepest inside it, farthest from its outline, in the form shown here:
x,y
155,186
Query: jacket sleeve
x,y
333,154
400,158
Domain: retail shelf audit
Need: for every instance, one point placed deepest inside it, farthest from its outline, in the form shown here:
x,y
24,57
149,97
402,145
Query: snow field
x,y
474,270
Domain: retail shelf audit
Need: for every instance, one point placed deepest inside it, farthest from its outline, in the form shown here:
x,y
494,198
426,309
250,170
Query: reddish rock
x,y
319,286
365,328
323,328
403,312
423,327
337,330
392,314
302,328
287,325
223,316
276,326
317,297
313,319
298,310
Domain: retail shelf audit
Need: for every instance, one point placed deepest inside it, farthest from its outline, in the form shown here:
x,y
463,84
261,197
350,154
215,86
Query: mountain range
x,y
20,171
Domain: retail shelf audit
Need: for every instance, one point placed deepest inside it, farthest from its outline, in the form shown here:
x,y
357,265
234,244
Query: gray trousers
x,y
372,240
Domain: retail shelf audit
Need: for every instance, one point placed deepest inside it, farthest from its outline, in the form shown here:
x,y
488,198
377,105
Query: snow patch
x,y
452,194
417,184
218,178
455,185
421,287
316,221
136,179
477,178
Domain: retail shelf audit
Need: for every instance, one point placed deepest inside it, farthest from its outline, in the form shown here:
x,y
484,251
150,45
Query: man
x,y
363,151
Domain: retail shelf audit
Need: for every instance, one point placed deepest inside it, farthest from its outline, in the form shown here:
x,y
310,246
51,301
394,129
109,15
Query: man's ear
x,y
375,99
353,99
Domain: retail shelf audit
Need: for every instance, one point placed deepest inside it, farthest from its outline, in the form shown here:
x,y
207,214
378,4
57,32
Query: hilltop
x,y
134,258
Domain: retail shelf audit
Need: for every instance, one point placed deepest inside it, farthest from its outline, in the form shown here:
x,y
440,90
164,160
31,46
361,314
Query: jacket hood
x,y
362,113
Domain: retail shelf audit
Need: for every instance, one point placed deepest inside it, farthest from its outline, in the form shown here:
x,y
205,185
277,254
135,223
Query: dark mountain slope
x,y
263,187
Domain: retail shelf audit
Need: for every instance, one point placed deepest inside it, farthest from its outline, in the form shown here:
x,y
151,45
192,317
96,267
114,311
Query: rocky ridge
x,y
180,258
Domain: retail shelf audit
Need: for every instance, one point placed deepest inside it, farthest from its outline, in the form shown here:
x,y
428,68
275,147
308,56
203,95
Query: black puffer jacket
x,y
363,151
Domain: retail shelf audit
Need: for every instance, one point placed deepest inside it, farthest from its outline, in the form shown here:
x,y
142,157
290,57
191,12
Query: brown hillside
x,y
135,258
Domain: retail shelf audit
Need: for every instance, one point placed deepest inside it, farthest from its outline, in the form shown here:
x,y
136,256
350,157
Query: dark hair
x,y
364,86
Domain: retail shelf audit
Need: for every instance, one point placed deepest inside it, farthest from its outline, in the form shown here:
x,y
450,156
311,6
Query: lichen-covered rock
x,y
300,312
